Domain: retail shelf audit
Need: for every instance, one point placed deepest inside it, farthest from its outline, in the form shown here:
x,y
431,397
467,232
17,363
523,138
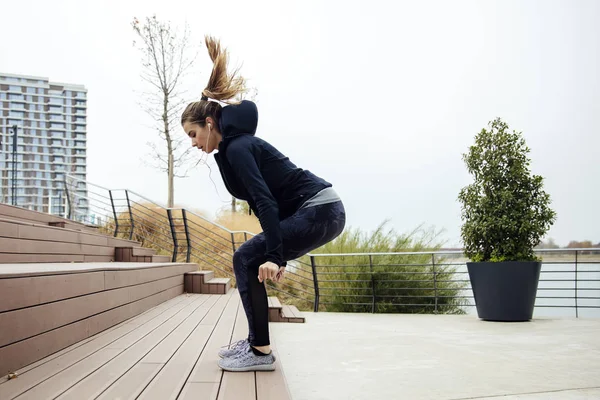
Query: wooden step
x,y
274,309
134,254
160,258
205,282
219,285
26,246
141,251
292,314
283,313
42,218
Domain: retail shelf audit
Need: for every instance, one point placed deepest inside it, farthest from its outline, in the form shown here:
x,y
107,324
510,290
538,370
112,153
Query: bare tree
x,y
165,60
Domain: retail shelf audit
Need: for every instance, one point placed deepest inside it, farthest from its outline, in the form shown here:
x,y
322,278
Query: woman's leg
x,y
303,232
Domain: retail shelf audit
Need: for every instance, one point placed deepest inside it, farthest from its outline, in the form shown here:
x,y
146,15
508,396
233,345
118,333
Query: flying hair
x,y
222,85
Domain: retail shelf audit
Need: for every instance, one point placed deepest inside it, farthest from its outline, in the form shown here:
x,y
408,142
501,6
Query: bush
x,y
401,283
505,210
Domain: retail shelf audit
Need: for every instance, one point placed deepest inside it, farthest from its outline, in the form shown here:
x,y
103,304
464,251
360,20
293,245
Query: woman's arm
x,y
241,156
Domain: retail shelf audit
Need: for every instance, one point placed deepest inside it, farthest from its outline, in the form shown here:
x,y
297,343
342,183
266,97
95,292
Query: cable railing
x,y
392,282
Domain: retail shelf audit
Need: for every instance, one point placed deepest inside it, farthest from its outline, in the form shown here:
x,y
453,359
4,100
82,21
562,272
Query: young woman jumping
x,y
298,211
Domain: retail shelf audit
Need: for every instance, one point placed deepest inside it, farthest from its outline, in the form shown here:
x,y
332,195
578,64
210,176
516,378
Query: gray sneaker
x,y
248,361
234,348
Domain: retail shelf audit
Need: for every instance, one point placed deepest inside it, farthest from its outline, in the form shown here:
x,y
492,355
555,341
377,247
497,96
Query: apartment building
x,y
51,145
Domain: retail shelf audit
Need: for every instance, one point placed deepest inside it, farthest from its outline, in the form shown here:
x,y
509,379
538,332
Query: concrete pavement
x,y
442,357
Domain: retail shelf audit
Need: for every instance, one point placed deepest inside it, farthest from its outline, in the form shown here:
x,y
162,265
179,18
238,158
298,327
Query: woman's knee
x,y
238,261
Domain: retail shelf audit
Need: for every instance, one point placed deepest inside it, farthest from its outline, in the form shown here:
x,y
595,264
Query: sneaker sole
x,y
264,367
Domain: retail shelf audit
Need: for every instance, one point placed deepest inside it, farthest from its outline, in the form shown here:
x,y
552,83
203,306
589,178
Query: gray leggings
x,y
306,230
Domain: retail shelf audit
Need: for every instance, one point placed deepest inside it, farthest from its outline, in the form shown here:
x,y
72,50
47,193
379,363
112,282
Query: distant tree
x,y
165,60
574,244
550,244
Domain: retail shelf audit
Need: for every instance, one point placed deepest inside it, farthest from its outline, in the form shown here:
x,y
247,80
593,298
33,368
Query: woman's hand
x,y
280,275
266,271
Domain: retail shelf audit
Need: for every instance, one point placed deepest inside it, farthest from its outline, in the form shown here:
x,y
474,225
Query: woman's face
x,y
205,138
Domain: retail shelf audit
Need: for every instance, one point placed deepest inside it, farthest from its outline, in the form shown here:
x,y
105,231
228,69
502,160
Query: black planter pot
x,y
504,291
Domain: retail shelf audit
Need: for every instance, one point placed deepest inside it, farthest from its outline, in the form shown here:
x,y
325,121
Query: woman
x,y
297,210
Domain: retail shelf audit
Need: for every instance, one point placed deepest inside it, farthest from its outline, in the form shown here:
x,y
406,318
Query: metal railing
x,y
408,282
438,282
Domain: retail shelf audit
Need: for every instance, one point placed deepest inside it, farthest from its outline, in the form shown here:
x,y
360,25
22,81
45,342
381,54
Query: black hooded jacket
x,y
255,171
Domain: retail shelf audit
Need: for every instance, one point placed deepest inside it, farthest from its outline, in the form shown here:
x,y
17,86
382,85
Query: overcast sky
x,y
381,98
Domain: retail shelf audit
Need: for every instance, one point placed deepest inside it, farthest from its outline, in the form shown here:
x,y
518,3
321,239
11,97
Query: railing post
x,y
372,283
130,215
315,282
68,198
112,204
245,236
576,308
187,237
233,241
434,283
173,234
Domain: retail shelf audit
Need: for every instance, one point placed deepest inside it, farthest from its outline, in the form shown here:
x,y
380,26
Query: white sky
x,y
381,98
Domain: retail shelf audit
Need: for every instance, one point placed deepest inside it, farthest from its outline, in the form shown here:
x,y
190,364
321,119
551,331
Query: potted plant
x,y
505,214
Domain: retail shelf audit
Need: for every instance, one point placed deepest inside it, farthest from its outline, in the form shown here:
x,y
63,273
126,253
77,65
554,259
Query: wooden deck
x,y
167,352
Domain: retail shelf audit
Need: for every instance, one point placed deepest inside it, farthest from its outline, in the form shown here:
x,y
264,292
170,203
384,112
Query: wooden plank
x,y
136,379
124,326
91,250
30,216
272,385
199,391
38,372
206,369
40,233
292,315
105,375
172,378
162,353
10,245
274,302
32,321
51,388
8,229
117,242
238,385
145,273
6,258
19,271
90,259
95,240
141,251
31,350
31,291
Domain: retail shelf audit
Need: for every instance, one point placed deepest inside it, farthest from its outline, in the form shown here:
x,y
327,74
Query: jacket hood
x,y
238,119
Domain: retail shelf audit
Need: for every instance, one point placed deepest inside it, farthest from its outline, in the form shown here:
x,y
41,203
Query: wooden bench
x,y
51,306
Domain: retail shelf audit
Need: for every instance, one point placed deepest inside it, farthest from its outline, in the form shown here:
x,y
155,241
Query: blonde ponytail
x,y
222,86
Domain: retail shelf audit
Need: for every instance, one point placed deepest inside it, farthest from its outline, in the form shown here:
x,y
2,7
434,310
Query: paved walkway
x,y
443,357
